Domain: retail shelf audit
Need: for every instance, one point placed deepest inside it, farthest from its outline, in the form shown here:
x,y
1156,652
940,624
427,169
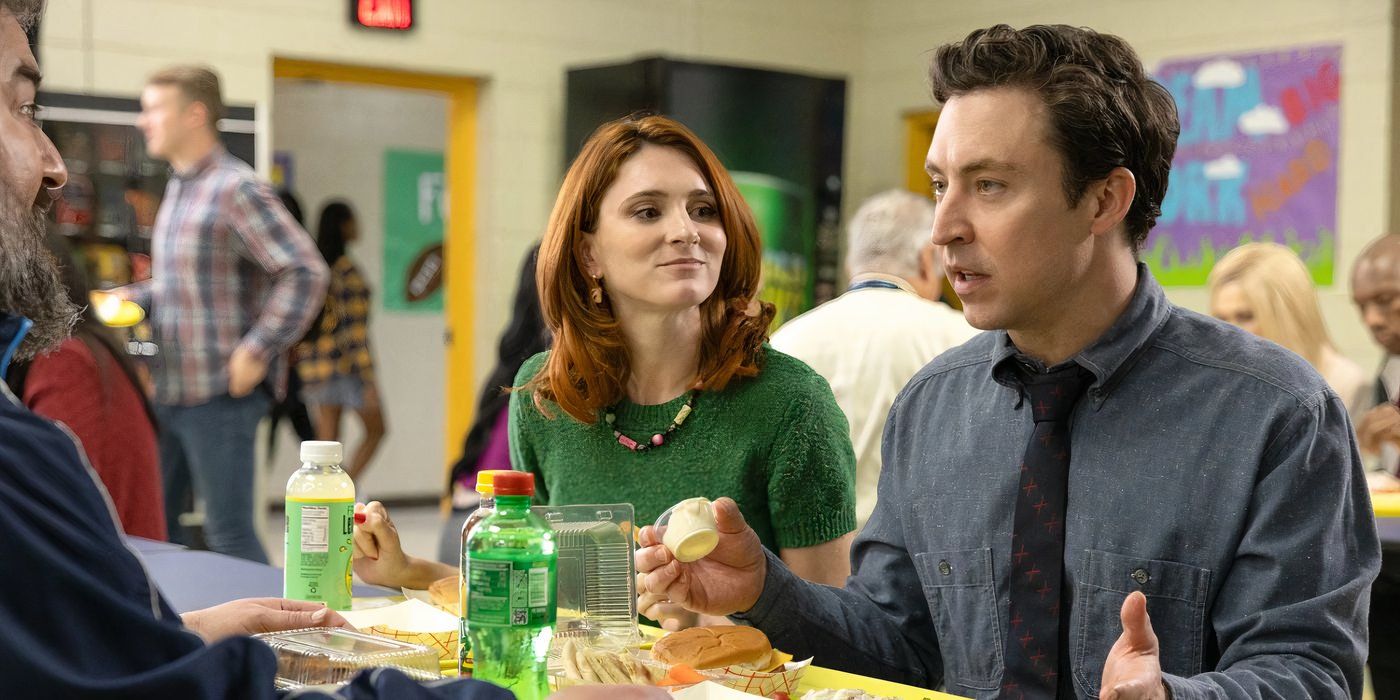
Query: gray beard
x,y
30,284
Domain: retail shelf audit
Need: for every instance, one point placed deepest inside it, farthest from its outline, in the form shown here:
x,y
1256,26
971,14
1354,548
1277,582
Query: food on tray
x,y
717,647
599,665
411,621
682,675
446,593
1382,482
841,694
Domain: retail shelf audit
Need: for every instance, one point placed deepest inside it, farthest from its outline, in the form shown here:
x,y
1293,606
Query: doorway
x,y
918,132
400,148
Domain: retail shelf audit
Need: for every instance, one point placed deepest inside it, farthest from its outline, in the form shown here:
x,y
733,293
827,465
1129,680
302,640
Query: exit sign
x,y
382,14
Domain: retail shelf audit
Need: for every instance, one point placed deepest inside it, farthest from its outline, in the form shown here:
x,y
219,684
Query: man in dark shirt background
x,y
1375,288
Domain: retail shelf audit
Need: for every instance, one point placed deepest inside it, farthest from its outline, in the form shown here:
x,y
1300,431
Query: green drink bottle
x,y
510,593
320,534
485,488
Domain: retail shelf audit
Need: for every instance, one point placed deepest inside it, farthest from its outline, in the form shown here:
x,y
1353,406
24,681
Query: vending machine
x,y
114,188
779,134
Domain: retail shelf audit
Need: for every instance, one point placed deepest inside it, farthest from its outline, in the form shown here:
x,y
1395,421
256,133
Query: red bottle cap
x,y
515,484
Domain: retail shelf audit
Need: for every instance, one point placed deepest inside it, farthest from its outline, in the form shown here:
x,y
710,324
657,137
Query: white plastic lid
x,y
322,452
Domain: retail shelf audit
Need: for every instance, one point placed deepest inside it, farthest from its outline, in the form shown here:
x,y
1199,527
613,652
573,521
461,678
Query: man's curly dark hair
x,y
1104,110
27,12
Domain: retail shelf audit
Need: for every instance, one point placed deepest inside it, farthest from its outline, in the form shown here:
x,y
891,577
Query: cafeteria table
x,y
144,546
194,579
1386,506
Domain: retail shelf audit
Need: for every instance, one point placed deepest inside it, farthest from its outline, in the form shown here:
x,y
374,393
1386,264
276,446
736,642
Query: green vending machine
x,y
780,135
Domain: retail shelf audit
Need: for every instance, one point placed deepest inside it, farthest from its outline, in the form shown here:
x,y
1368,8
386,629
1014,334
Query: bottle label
x,y
320,545
514,593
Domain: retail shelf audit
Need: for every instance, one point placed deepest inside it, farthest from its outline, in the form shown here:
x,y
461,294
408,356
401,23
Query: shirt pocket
x,y
1176,601
963,605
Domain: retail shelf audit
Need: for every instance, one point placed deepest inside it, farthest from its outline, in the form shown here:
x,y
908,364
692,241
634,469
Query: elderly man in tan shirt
x,y
868,342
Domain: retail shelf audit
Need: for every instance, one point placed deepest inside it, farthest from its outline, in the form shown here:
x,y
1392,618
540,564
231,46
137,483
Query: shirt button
x,y
944,567
1141,576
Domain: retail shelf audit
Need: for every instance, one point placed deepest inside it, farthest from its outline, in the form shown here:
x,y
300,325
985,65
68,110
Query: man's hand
x,y
727,581
245,371
1380,426
1133,670
258,615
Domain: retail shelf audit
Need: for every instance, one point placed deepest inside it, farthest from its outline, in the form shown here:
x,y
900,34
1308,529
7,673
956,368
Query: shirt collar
x,y
13,327
1110,356
201,165
892,279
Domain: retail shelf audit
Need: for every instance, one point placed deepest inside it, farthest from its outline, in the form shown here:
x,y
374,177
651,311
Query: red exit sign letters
x,y
382,14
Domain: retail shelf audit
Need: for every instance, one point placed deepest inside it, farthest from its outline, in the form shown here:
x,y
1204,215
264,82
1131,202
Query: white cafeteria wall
x,y
520,50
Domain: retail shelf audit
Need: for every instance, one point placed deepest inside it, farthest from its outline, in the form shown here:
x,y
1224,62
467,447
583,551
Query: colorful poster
x,y
415,206
283,171
1256,161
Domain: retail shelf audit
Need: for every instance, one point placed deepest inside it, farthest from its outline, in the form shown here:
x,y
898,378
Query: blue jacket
x,y
80,617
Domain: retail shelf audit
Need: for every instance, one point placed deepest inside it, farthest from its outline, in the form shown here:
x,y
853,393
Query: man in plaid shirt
x,y
235,283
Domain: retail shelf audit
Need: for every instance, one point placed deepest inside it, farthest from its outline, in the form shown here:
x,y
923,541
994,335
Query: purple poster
x,y
1256,161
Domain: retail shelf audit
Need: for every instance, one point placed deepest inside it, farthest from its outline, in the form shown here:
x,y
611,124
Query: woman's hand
x,y
379,556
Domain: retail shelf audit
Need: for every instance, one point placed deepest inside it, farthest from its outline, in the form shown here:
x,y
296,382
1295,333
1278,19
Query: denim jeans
x,y
210,445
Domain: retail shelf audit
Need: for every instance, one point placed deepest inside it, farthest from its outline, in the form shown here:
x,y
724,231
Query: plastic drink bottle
x,y
485,480
511,563
320,528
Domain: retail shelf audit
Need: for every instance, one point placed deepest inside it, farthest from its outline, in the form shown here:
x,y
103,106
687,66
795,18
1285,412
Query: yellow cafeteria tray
x,y
1386,504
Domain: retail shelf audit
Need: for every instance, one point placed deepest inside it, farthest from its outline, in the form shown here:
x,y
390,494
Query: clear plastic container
x,y
331,656
688,529
597,586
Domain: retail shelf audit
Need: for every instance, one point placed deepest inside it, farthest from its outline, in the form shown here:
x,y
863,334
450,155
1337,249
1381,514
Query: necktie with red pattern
x,y
1038,536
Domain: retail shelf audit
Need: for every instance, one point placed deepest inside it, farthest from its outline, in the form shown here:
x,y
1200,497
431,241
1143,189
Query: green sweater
x,y
776,443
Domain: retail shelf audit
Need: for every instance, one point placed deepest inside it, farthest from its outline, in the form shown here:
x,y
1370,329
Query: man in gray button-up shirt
x,y
1212,472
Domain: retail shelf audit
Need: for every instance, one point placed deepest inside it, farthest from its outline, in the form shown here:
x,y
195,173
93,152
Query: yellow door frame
x,y
459,240
918,132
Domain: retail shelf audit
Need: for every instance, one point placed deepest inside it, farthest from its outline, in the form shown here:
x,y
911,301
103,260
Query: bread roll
x,y
715,647
446,594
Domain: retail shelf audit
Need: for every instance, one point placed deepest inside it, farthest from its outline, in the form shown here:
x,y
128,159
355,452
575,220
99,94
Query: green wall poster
x,y
415,204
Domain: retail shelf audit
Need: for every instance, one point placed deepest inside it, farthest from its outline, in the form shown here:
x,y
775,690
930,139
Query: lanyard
x,y
873,284
16,327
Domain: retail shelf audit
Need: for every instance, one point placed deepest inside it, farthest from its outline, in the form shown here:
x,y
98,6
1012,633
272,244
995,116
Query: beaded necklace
x,y
657,440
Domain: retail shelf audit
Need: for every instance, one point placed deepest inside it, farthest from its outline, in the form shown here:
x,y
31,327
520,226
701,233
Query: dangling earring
x,y
596,294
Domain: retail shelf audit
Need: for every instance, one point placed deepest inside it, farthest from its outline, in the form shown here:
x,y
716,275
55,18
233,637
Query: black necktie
x,y
1038,536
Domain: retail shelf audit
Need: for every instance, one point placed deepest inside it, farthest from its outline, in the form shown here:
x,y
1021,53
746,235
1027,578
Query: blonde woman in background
x,y
1264,288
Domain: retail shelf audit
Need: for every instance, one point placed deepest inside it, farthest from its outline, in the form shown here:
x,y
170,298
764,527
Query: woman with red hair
x,y
660,385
